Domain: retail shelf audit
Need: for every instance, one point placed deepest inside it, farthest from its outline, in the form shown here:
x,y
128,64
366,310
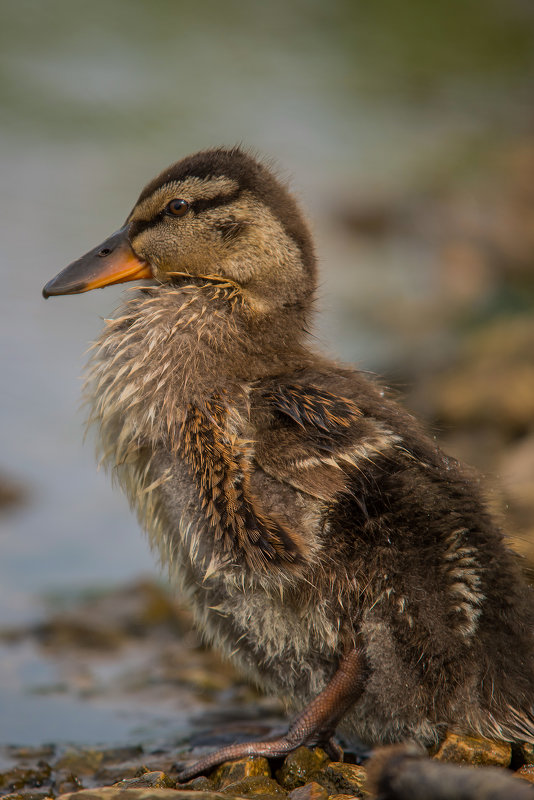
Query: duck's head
x,y
219,214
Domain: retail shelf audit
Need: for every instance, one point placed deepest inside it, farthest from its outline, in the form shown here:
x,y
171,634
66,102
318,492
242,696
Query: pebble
x,y
527,752
300,767
114,793
154,780
200,784
24,777
66,783
80,762
310,791
109,774
305,774
258,785
474,750
233,771
340,778
46,751
526,772
341,797
26,796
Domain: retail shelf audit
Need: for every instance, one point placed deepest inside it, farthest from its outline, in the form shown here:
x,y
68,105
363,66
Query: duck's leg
x,y
313,726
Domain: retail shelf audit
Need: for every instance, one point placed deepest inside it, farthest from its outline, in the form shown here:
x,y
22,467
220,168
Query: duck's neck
x,y
172,347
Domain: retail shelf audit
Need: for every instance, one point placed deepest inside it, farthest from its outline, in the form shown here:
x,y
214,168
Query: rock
x,y
233,771
27,796
67,783
300,766
113,619
340,778
527,752
258,785
46,751
473,750
310,791
115,754
109,774
92,762
200,784
63,633
80,762
114,793
21,777
154,780
341,797
526,772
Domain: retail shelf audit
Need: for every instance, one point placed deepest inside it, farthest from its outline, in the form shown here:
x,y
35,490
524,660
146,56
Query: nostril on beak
x,y
104,252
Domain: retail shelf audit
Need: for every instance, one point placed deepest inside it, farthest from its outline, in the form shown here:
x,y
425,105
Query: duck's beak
x,y
113,261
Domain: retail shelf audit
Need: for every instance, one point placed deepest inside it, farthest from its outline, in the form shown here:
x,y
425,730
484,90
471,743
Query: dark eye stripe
x,y
197,206
142,225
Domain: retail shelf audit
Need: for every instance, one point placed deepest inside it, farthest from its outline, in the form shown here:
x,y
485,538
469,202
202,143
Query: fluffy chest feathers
x,y
174,426
170,406
161,353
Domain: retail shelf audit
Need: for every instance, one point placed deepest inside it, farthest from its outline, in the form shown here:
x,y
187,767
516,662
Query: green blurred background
x,y
407,131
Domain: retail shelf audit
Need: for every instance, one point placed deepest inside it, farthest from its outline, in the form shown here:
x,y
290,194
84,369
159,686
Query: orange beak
x,y
113,261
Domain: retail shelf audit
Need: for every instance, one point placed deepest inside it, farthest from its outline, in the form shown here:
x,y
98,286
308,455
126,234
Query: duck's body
x,y
305,515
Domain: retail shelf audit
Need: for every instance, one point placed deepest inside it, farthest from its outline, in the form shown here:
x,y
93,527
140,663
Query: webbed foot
x,y
313,727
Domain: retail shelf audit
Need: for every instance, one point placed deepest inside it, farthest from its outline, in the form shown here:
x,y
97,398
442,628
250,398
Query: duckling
x,y
324,542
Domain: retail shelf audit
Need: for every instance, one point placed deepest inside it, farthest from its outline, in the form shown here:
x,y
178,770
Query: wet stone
x,y
25,778
114,793
300,766
154,780
200,784
67,783
115,754
233,771
526,772
26,796
64,633
113,773
46,751
95,762
527,752
341,797
473,750
80,762
340,778
258,785
310,791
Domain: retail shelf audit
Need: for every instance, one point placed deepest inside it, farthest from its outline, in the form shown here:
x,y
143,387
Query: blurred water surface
x,y
351,100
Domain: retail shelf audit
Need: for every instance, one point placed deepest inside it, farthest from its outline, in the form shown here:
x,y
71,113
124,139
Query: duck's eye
x,y
177,208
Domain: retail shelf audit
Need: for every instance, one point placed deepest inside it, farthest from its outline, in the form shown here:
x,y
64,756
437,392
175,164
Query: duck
x,y
324,542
